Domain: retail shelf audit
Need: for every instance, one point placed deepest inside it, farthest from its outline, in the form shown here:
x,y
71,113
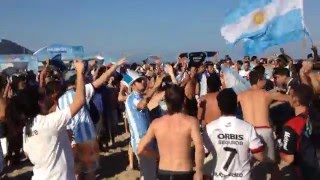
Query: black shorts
x,y
175,175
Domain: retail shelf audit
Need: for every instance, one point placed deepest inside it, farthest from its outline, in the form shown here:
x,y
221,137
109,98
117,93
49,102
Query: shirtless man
x,y
174,133
255,104
191,89
208,107
209,111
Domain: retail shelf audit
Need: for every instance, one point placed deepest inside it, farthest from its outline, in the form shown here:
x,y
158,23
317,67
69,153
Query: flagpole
x,y
304,47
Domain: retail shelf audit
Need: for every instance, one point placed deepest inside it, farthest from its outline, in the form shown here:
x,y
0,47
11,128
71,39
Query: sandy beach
x,y
113,163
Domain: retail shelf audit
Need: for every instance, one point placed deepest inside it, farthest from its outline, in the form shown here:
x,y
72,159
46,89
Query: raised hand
x,y
47,63
121,61
169,69
79,66
159,80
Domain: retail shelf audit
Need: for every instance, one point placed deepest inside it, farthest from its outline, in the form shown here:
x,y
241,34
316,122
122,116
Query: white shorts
x,y
266,135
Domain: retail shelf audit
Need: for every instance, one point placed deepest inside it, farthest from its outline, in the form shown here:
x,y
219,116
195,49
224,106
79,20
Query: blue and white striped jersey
x,y
81,124
139,121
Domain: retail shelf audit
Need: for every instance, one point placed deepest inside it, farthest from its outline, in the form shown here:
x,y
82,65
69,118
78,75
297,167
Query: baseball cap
x,y
130,77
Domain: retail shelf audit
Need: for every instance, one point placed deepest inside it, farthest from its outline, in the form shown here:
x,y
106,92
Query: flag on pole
x,y
264,23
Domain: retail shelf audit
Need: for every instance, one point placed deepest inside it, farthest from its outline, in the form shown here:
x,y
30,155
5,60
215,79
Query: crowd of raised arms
x,y
255,118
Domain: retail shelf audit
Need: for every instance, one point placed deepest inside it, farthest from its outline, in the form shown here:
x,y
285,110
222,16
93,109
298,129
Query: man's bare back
x,y
255,107
174,136
191,88
209,110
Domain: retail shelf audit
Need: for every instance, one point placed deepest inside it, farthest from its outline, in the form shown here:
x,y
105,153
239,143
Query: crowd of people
x,y
227,119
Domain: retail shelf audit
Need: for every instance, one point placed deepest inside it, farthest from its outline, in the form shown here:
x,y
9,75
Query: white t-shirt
x,y
244,73
231,139
48,148
203,84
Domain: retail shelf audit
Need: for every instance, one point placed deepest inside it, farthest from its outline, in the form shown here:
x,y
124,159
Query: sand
x,y
113,164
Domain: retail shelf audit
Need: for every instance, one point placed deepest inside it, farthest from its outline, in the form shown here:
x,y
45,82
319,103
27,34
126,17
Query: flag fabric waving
x,y
264,23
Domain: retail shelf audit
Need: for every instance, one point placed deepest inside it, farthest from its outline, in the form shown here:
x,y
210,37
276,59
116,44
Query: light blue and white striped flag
x,y
264,23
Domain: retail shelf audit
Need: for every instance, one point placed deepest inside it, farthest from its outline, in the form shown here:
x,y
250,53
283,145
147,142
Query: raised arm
x,y
122,96
185,81
79,99
177,63
144,102
199,148
104,77
171,73
314,82
277,96
43,74
7,90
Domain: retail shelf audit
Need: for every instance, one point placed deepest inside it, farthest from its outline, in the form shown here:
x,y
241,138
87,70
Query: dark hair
x,y
240,62
31,76
174,97
304,93
282,71
227,101
133,66
23,108
283,60
213,83
247,62
253,58
255,76
101,70
209,63
260,68
53,87
222,61
16,79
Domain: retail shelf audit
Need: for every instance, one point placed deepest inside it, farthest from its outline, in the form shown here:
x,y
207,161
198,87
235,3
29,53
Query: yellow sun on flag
x,y
259,17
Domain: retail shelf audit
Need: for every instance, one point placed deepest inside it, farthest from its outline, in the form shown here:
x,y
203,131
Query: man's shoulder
x,y
187,117
296,123
254,92
235,122
242,124
213,124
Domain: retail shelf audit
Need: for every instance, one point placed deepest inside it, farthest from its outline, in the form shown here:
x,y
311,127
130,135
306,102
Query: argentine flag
x,y
264,23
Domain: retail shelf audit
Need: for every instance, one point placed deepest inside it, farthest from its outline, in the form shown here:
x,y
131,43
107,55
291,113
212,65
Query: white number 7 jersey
x,y
231,139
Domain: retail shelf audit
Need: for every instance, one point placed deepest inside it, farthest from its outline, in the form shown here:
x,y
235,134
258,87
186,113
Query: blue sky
x,y
133,28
